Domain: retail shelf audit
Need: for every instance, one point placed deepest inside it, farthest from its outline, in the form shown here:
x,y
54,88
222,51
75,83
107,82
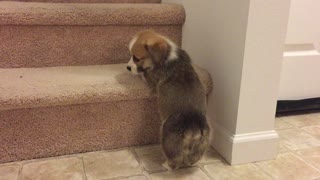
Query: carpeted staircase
x,y
64,87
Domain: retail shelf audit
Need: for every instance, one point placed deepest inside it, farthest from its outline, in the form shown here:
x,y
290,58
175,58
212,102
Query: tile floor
x,y
298,159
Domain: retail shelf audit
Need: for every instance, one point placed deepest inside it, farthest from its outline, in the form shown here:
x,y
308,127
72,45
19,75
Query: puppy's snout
x,y
129,68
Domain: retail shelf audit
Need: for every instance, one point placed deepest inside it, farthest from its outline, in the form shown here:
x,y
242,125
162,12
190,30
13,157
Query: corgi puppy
x,y
168,70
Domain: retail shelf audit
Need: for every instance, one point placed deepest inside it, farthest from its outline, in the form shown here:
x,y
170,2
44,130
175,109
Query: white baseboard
x,y
245,148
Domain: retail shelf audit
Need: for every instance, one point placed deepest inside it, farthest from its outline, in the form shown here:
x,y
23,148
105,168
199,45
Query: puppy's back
x,y
185,137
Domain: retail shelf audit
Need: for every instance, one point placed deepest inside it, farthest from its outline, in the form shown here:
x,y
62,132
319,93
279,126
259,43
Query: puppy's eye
x,y
135,59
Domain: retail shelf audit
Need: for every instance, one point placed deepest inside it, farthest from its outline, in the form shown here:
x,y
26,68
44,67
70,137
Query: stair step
x,y
63,110
91,1
51,86
56,34
26,13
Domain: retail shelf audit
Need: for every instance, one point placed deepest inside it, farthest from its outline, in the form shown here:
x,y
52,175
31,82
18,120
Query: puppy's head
x,y
149,49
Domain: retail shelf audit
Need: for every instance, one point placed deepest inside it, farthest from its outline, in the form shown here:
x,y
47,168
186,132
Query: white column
x,y
240,42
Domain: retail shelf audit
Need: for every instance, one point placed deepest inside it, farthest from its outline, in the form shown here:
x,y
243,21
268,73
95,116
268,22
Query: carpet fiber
x,y
55,34
63,110
64,86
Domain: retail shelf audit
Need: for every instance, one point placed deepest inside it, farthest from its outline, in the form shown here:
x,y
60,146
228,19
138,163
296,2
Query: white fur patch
x,y
134,68
131,43
173,51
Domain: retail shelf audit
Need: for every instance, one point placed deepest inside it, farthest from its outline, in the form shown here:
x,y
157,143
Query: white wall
x,y
300,76
240,43
303,25
215,40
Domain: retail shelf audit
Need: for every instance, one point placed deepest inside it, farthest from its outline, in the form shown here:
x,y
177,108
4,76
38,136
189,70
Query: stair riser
x,y
91,1
45,46
60,130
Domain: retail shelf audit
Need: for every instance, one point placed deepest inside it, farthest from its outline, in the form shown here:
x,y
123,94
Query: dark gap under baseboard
x,y
295,107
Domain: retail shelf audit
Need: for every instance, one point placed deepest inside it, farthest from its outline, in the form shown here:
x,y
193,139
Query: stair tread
x,y
39,13
66,85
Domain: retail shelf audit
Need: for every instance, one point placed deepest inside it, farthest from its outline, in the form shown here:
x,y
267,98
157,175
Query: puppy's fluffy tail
x,y
194,131
196,138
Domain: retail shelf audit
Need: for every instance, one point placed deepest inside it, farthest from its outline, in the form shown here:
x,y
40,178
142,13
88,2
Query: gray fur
x,y
182,107
181,97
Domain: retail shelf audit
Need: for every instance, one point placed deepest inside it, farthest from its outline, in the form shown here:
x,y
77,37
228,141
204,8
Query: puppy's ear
x,y
158,51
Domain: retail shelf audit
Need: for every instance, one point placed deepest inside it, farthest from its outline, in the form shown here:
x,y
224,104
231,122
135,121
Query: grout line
x,y
17,163
83,169
137,159
121,177
308,163
262,170
20,172
295,154
117,149
49,158
288,150
209,163
310,125
142,165
201,167
148,176
156,171
130,149
318,138
27,161
287,139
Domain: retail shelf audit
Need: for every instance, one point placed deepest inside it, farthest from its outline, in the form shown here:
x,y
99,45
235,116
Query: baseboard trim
x,y
240,138
287,107
245,148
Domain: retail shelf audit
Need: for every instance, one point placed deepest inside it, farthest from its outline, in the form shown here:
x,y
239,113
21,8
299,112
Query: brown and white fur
x,y
181,96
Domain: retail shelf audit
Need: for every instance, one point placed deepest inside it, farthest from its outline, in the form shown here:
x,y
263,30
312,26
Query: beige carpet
x,y
61,110
64,87
41,87
59,34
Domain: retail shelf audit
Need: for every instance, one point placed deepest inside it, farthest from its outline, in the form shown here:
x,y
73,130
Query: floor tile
x,y
221,171
313,130
289,166
104,165
302,120
18,163
281,124
9,172
296,139
211,156
317,115
151,157
194,173
134,178
311,155
53,169
282,146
